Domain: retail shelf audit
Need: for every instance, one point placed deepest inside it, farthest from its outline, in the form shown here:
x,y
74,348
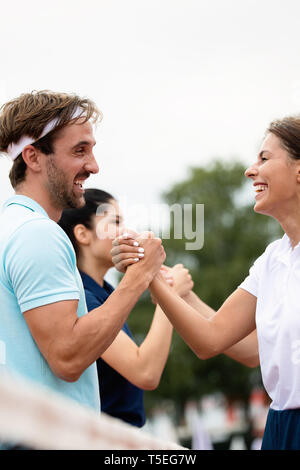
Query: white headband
x,y
14,150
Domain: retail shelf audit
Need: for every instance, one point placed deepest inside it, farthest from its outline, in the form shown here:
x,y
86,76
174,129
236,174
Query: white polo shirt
x,y
275,280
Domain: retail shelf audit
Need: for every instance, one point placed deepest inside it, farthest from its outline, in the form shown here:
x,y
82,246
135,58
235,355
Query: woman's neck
x,y
290,222
293,233
95,270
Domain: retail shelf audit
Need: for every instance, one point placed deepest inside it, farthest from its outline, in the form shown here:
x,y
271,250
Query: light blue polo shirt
x,y
37,267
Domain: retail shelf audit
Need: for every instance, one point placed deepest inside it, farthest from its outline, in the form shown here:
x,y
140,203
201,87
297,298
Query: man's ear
x,y
82,234
32,158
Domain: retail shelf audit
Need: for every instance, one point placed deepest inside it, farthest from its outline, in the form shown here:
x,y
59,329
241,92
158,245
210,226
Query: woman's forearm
x,y
142,365
185,319
194,301
245,351
210,336
153,352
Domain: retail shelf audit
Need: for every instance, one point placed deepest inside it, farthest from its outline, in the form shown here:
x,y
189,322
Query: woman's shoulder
x,y
278,244
270,253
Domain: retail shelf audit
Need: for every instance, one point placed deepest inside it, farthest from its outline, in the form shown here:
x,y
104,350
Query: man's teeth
x,y
78,183
260,187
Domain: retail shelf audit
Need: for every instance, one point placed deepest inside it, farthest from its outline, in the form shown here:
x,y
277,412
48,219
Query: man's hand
x,y
181,280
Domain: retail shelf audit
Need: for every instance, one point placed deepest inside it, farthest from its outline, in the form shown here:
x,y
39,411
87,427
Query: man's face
x,y
71,163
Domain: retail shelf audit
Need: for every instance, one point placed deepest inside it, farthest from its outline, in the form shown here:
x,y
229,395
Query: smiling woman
x,y
275,174
267,300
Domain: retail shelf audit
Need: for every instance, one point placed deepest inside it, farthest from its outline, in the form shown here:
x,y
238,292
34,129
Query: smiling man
x,y
48,335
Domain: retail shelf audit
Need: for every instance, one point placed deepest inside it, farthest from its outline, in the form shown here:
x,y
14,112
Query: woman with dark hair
x,y
125,369
267,300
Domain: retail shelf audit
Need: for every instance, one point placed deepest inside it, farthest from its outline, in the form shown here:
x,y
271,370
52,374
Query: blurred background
x,y
187,89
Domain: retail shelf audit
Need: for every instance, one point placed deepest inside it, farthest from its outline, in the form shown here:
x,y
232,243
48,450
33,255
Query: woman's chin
x,y
260,209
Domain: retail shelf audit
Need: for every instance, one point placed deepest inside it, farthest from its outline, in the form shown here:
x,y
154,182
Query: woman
x,y
268,299
125,369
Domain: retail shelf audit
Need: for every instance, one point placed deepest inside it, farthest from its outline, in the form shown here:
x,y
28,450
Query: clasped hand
x,y
131,248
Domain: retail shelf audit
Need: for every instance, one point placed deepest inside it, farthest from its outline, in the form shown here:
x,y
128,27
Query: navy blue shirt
x,y
119,397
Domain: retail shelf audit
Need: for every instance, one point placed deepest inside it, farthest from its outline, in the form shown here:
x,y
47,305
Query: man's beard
x,y
62,197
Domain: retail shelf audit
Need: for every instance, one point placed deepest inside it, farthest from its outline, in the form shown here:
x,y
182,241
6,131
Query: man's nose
x,y
92,166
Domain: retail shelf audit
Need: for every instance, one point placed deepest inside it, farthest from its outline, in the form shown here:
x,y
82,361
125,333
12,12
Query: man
x,y
48,335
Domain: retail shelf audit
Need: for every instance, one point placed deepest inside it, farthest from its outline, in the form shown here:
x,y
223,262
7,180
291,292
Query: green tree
x,y
234,236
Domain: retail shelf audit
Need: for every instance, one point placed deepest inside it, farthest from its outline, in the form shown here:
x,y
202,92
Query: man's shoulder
x,y
19,220
34,245
16,216
32,232
32,227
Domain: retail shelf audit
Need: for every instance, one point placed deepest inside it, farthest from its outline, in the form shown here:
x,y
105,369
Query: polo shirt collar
x,y
102,293
25,201
286,253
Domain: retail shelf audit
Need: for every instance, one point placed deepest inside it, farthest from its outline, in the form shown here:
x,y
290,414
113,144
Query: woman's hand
x,y
126,250
130,248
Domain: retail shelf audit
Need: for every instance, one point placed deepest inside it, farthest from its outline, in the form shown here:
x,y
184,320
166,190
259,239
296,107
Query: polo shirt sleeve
x,y
251,282
40,265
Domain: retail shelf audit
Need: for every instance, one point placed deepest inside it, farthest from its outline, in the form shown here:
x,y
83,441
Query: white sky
x,y
179,81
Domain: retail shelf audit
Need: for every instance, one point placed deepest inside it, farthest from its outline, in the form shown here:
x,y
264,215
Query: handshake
x,y
145,254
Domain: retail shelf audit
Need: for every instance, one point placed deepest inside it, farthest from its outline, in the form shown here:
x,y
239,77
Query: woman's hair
x,y
288,131
30,113
84,215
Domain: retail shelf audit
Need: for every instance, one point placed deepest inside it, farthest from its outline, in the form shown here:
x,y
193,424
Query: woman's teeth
x,y
260,187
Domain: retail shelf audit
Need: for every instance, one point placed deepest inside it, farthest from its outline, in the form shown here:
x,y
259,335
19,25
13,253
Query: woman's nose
x,y
251,172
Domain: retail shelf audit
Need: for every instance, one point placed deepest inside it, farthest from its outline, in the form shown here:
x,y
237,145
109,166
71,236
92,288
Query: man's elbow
x,y
64,360
69,371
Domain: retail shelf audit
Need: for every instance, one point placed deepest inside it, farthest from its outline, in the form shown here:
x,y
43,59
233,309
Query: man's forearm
x,y
95,331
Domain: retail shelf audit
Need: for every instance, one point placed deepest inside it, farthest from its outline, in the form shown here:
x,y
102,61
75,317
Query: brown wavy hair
x,y
30,113
288,131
